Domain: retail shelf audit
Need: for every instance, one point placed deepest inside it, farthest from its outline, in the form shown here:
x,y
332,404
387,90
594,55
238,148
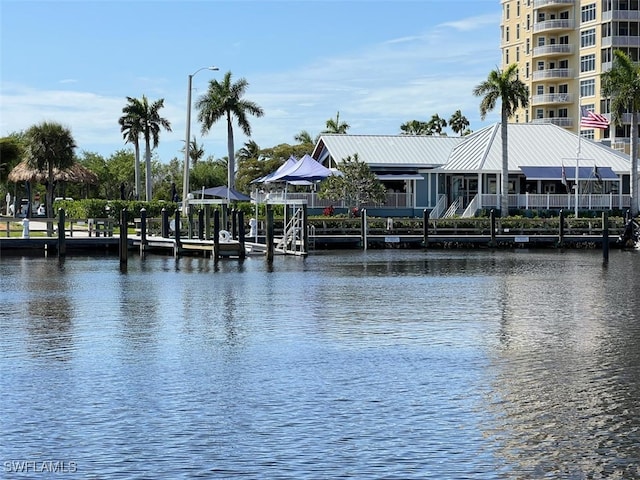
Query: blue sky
x,y
380,63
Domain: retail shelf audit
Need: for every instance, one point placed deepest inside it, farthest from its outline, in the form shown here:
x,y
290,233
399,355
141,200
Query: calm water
x,y
381,364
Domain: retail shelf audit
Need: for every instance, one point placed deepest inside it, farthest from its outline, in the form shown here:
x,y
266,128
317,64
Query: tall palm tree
x,y
49,146
414,127
622,84
131,128
224,100
437,124
458,122
151,122
334,126
503,85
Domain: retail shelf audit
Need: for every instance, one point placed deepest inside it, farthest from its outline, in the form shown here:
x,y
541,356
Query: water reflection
x,y
402,364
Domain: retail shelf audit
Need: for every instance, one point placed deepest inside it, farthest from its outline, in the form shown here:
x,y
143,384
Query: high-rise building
x,y
561,48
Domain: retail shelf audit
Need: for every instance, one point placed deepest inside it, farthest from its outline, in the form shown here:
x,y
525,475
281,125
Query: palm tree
x,y
49,146
622,84
224,99
305,137
414,127
250,150
196,151
334,126
458,122
503,85
436,124
151,122
131,128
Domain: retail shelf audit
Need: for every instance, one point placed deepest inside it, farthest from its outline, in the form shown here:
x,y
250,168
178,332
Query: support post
x,y
190,222
123,240
605,236
305,230
177,233
200,224
425,227
62,244
561,230
492,221
269,234
143,231
165,223
363,228
234,224
207,222
240,222
216,235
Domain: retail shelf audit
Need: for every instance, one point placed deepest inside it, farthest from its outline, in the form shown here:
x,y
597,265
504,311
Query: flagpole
x,y
577,186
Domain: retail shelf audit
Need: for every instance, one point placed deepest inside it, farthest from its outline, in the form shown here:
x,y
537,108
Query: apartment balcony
x,y
551,25
552,98
620,41
552,3
552,74
620,15
552,50
565,122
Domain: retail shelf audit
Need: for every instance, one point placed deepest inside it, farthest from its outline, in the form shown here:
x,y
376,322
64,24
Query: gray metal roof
x,y
416,151
530,145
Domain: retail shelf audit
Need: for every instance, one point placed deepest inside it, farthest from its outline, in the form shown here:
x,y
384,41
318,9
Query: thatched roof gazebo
x,y
74,174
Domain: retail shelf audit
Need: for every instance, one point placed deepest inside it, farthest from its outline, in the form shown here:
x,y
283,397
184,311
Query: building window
x,y
506,33
518,32
588,63
587,88
526,116
541,41
506,12
588,38
564,40
563,112
506,56
540,90
539,113
528,46
528,21
518,8
517,54
540,65
587,134
527,70
588,13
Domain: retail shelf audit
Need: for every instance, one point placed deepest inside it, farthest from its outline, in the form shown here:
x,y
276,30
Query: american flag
x,y
590,119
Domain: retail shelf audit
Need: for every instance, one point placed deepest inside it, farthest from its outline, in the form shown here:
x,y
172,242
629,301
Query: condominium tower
x,y
561,48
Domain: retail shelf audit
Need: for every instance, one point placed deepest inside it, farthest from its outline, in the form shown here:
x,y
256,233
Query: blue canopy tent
x,y
307,169
285,166
223,192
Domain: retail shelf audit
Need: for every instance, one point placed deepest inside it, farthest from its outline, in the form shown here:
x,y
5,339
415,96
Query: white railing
x,y
552,73
472,208
440,208
555,201
544,3
552,98
453,208
562,23
558,48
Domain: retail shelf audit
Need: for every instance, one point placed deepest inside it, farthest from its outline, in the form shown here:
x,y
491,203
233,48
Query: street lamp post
x,y
185,178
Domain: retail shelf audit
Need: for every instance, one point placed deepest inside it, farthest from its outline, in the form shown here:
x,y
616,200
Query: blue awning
x,y
555,173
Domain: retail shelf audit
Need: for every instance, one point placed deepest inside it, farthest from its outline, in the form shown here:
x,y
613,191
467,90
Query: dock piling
x,y
363,228
240,223
561,230
62,244
492,223
269,234
143,231
605,237
425,227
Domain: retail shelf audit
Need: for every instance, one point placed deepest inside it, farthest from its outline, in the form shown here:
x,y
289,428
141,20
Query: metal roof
x,y
407,151
533,145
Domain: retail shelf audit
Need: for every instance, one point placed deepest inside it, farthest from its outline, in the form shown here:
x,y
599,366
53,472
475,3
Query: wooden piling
x,y
561,230
605,236
240,223
143,231
164,228
492,224
305,230
216,235
62,244
269,234
123,249
200,224
234,224
207,222
425,228
363,228
177,233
